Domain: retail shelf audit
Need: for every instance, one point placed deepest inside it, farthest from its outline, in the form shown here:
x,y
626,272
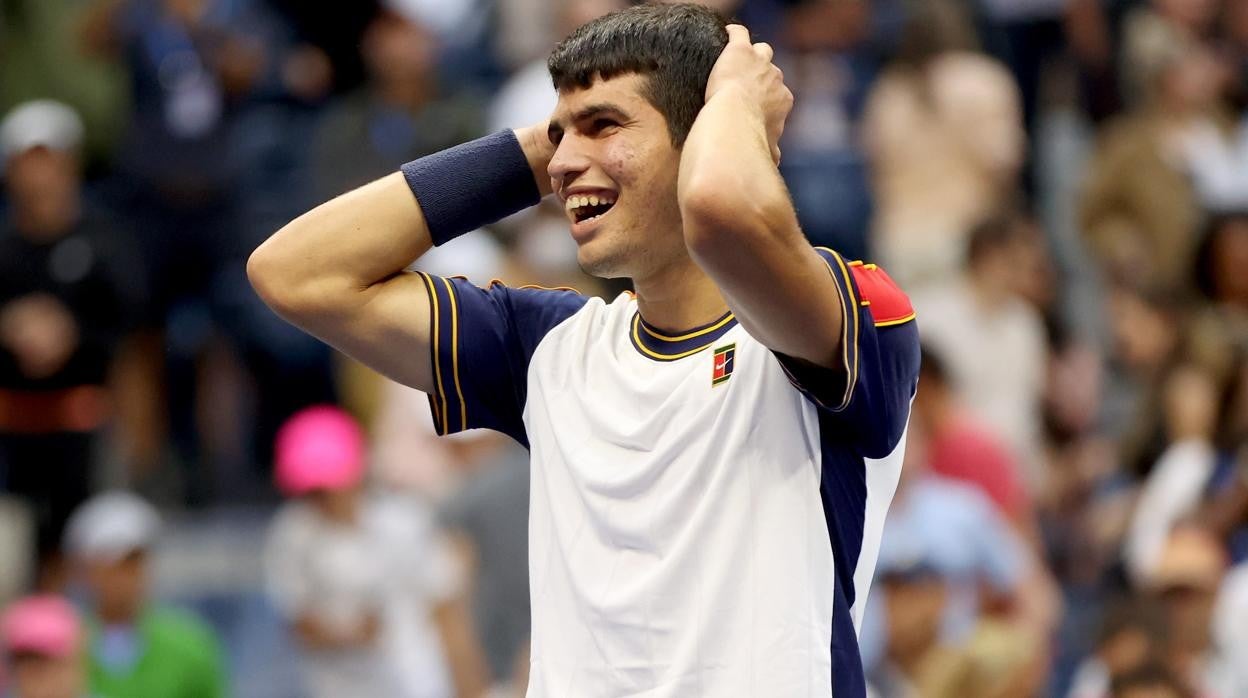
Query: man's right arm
x,y
337,271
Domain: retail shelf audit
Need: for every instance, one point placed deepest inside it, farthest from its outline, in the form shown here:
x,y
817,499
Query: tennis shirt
x,y
705,513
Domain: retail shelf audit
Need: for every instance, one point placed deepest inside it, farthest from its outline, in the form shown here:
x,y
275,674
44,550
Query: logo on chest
x,y
723,362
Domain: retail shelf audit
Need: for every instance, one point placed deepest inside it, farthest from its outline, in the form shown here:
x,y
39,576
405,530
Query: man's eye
x,y
604,124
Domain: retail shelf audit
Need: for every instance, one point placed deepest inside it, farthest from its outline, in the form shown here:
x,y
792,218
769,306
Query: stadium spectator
x,y
1219,326
1150,681
42,642
829,61
917,662
488,518
136,648
367,583
962,448
400,113
1186,579
67,298
944,135
1130,635
1153,30
1140,209
1000,601
982,312
1230,631
1175,486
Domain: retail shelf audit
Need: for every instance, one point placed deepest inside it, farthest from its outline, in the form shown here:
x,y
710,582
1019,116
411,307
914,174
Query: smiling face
x,y
614,170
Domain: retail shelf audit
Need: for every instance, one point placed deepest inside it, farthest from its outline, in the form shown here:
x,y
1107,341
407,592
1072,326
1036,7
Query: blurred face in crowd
x,y
1235,21
1192,80
119,588
614,148
834,25
338,505
1144,334
578,12
1192,15
1032,267
916,605
1189,612
398,52
188,12
1019,265
1126,650
43,185
1229,260
39,676
1154,691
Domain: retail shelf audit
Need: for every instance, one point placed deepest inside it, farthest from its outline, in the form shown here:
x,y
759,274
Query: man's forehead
x,y
623,91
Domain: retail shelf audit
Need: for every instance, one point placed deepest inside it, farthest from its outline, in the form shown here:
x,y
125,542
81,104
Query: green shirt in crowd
x,y
167,654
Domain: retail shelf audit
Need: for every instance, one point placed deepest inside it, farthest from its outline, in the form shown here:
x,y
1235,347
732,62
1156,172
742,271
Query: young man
x,y
707,502
135,646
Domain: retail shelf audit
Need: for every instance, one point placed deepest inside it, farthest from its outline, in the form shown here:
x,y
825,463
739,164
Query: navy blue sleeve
x,y
868,396
481,342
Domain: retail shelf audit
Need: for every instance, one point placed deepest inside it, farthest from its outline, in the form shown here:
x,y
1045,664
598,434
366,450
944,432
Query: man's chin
x,y
594,261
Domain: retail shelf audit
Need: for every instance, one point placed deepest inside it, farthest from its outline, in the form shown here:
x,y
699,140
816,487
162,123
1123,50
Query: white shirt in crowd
x,y
1005,392
393,564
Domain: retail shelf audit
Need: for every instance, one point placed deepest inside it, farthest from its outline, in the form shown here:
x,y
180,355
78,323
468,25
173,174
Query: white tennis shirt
x,y
705,514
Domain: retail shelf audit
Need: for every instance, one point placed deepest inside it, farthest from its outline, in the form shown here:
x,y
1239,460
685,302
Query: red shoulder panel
x,y
888,304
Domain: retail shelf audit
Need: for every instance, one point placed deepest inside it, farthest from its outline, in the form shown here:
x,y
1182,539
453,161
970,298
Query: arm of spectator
x,y
448,573
1174,488
339,271
465,658
314,634
1172,491
1229,508
1017,576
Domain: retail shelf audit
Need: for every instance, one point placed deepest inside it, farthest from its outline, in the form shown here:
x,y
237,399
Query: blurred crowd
x,y
1060,185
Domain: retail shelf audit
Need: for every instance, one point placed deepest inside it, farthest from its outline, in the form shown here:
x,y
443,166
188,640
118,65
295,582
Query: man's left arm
x,y
739,223
843,332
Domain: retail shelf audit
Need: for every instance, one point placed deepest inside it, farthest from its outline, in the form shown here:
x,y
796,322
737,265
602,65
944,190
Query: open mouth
x,y
587,208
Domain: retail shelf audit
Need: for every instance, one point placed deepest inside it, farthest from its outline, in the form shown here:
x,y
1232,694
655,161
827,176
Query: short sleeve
x,y
869,394
285,580
481,341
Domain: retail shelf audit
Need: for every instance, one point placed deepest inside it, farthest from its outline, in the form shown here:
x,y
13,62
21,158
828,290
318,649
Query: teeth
x,y
576,201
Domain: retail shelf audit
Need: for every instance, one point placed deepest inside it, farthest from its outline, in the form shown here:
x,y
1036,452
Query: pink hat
x,y
320,447
45,625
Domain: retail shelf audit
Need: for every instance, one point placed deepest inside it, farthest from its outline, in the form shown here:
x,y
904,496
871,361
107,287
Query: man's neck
x,y
679,297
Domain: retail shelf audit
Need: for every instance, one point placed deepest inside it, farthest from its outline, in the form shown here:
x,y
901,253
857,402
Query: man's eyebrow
x,y
556,126
593,110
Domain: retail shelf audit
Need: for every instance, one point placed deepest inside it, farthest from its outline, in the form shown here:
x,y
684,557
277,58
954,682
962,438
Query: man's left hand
x,y
748,68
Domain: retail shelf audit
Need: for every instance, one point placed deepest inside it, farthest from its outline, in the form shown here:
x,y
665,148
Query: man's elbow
x,y
711,214
264,271
278,283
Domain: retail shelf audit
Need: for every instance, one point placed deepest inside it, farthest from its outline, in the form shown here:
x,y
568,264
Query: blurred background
x,y
1060,185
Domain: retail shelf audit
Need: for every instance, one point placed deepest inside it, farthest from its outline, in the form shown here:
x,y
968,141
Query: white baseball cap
x,y
110,526
42,122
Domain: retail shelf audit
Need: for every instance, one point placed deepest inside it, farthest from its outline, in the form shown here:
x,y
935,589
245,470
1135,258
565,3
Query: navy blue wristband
x,y
471,185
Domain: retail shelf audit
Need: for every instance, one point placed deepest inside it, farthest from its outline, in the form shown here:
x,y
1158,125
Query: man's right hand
x,y
538,150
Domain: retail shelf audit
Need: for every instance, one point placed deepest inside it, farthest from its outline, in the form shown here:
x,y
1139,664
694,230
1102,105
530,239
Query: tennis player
x,y
712,457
